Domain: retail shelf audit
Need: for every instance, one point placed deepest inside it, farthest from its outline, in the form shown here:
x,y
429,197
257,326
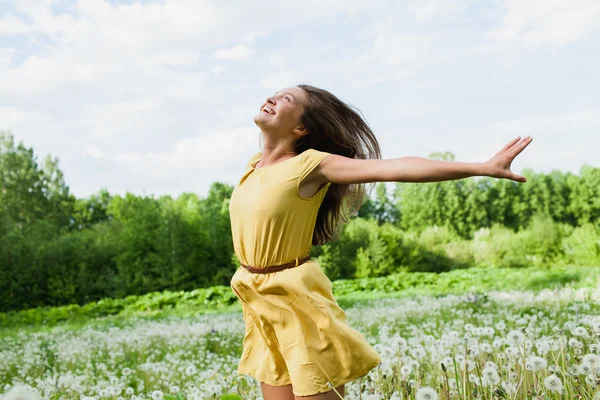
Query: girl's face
x,y
282,111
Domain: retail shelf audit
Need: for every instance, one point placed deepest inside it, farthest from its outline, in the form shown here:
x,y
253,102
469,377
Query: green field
x,y
500,333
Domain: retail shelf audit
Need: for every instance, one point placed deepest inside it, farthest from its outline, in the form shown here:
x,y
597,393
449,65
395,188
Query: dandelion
x,y
490,376
157,395
593,361
114,390
515,337
190,370
579,331
590,380
126,371
426,393
573,370
485,348
553,384
405,370
537,363
467,364
585,369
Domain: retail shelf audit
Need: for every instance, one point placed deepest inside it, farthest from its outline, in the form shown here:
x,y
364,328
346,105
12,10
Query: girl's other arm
x,y
345,170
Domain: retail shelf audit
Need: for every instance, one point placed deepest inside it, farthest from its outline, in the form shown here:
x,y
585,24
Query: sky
x,y
158,97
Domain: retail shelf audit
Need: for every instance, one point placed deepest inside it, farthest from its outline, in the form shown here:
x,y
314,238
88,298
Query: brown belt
x,y
266,270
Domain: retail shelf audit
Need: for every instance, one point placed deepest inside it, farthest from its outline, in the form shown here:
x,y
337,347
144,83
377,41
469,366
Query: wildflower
x,y
490,376
515,337
157,395
537,363
553,384
426,393
584,369
590,380
593,361
405,370
486,348
579,331
467,364
114,390
491,364
190,370
573,370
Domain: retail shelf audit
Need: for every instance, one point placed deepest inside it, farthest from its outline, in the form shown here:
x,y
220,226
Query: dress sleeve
x,y
310,159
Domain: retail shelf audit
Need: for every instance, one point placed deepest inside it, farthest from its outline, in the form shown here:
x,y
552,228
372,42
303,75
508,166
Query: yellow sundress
x,y
295,331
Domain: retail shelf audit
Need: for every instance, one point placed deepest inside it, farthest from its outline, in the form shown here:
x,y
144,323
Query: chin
x,y
261,121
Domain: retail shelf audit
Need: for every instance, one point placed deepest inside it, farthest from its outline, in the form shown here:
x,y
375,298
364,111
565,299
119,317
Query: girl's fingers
x,y
511,143
521,146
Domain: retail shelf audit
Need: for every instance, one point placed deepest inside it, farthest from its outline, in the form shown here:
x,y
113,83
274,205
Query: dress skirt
x,y
296,333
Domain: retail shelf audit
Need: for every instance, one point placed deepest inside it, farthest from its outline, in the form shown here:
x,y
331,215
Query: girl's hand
x,y
499,165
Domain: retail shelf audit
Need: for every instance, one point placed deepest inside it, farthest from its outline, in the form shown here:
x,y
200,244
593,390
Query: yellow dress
x,y
295,331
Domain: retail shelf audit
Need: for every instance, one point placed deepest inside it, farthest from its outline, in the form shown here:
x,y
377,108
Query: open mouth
x,y
268,110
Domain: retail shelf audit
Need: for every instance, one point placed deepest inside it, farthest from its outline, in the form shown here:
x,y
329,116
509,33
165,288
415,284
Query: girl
x,y
318,154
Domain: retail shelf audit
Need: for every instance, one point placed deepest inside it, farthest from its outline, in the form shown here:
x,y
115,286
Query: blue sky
x,y
158,97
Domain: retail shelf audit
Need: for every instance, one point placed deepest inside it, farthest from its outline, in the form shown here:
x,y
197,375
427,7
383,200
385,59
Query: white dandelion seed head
x,y
515,337
579,331
590,380
585,369
553,383
491,364
426,393
157,395
593,361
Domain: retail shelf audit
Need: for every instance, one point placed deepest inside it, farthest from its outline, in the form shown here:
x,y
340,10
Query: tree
x,y
30,192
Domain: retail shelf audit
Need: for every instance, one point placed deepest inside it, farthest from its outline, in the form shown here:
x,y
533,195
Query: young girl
x,y
318,154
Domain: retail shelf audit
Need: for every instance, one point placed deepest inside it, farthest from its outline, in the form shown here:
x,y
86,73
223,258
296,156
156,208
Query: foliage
x,y
56,249
218,298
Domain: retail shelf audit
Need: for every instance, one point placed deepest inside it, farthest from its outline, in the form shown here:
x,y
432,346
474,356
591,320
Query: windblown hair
x,y
338,128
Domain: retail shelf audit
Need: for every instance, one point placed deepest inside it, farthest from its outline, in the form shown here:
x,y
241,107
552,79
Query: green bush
x,y
583,245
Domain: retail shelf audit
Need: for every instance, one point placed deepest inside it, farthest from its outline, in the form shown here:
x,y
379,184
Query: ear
x,y
300,130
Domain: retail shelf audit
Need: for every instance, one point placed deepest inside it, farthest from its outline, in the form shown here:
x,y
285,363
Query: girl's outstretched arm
x,y
345,170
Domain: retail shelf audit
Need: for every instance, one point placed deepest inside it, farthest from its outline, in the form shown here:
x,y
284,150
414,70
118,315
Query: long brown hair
x,y
338,128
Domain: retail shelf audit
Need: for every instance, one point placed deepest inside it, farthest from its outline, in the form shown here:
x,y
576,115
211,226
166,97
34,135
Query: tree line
x,y
58,249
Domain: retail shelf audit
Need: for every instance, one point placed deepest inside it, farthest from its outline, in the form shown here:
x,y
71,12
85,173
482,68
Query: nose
x,y
271,100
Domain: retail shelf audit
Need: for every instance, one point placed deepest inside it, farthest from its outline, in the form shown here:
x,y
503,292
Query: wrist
x,y
482,169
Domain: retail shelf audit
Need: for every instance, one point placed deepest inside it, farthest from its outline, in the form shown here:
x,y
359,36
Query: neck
x,y
275,150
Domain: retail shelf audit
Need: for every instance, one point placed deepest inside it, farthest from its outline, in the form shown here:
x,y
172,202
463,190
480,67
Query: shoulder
x,y
314,154
310,159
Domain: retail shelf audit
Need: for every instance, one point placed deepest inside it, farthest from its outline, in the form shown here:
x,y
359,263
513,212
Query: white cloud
x,y
153,94
219,150
584,121
239,52
93,152
542,23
